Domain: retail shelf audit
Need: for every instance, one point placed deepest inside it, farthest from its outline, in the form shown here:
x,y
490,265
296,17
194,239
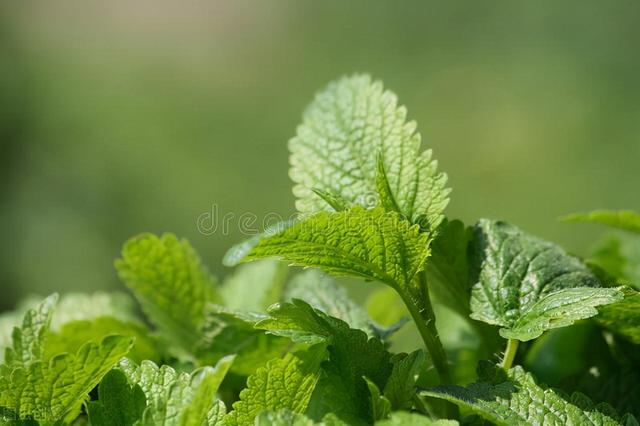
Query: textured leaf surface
x,y
527,285
344,130
171,284
29,339
255,286
514,398
621,219
286,382
352,356
227,332
174,398
402,418
401,386
623,317
56,389
119,403
380,405
235,254
74,334
69,308
320,291
371,244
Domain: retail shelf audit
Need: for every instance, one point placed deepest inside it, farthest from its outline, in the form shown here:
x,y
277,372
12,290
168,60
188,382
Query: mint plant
x,y
273,345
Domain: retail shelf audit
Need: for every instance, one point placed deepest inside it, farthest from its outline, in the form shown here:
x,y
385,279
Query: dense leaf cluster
x,y
268,346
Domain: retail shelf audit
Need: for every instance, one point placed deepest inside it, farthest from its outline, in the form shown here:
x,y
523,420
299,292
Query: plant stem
x,y
510,353
422,313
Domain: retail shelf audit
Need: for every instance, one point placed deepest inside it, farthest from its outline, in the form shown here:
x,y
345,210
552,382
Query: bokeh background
x,y
121,117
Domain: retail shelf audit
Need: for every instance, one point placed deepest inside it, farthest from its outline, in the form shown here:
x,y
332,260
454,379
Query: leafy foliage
x,y
349,125
283,383
514,398
622,219
371,244
527,285
171,284
174,398
623,317
262,350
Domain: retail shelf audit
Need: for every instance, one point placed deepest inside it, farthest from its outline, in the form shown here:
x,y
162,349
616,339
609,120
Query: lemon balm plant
x,y
275,345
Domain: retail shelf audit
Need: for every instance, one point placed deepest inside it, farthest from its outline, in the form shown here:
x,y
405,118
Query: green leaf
x,y
255,286
71,307
119,404
228,332
81,306
283,418
514,398
174,398
401,418
289,418
336,202
352,356
623,317
380,405
286,382
627,220
238,252
55,390
344,130
29,339
321,292
401,386
74,334
371,244
527,285
170,283
619,255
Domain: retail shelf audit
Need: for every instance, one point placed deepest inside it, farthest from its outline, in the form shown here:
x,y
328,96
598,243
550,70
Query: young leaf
x,y
29,339
371,244
255,286
283,383
174,398
527,285
119,404
344,130
321,292
514,398
352,356
623,317
401,386
171,284
380,405
627,220
55,390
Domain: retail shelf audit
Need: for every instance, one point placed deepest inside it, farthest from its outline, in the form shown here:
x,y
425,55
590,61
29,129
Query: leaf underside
x,y
527,285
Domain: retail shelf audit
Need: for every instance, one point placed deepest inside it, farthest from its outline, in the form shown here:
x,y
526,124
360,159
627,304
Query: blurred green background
x,y
122,117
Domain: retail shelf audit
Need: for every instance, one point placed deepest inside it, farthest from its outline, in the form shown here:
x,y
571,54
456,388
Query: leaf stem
x,y
422,313
510,353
